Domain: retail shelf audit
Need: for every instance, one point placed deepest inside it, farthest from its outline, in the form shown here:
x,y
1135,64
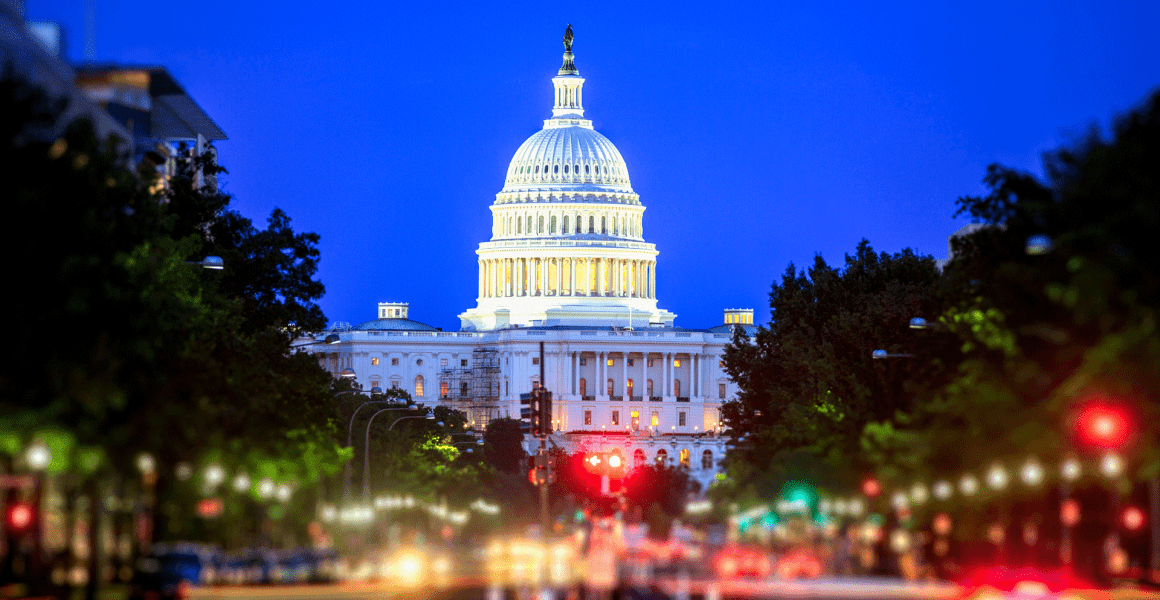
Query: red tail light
x,y
184,591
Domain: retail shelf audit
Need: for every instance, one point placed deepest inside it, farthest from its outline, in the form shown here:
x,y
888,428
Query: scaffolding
x,y
474,389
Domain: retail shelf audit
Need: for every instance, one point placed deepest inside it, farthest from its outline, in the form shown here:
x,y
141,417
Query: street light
x,y
1032,472
241,483
997,477
943,490
1111,465
367,446
346,476
880,354
214,475
1070,469
210,262
38,456
968,485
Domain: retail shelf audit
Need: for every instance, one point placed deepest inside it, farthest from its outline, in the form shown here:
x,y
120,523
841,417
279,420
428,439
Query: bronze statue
x,y
568,39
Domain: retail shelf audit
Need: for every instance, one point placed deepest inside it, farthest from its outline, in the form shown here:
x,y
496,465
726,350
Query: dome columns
x,y
567,276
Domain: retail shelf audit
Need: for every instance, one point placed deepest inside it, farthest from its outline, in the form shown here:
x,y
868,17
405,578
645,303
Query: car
x,y
165,576
737,560
798,563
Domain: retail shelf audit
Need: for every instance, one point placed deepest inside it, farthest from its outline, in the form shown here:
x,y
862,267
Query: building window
x,y
677,387
610,362
681,419
556,169
591,224
463,389
443,362
650,362
583,361
684,457
635,415
616,417
662,457
648,386
587,417
707,460
419,362
630,362
535,384
394,384
638,458
720,390
394,362
628,389
463,362
565,169
374,362
677,362
375,383
721,364
656,419
506,388
610,386
583,387
535,360
419,386
443,389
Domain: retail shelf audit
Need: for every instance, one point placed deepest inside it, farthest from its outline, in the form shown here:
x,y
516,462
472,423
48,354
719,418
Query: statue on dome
x,y
568,39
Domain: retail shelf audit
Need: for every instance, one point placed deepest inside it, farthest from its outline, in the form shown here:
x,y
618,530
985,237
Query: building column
x,y
644,375
600,369
696,358
599,272
624,378
480,278
665,374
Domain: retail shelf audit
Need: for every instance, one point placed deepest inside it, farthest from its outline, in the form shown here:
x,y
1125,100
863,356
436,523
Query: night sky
x,y
756,135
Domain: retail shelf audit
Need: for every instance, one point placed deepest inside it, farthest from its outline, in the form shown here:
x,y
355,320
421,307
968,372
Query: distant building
x,y
155,109
567,300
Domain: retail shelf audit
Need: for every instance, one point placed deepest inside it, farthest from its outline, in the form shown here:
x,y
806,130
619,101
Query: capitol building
x,y
567,299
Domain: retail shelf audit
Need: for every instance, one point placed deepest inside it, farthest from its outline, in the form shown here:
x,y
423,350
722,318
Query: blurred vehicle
x,y
323,565
165,576
414,568
734,561
798,563
1005,582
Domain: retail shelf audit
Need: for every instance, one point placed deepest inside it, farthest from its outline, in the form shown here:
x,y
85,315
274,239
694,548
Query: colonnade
x,y
567,276
622,223
669,374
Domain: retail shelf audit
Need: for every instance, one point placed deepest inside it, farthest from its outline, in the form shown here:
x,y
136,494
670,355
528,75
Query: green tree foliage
x,y
503,446
125,347
808,385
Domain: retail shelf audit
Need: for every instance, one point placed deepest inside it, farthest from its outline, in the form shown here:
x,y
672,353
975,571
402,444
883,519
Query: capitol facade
x,y
567,299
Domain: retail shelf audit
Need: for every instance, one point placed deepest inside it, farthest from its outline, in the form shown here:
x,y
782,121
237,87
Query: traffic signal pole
x,y
546,427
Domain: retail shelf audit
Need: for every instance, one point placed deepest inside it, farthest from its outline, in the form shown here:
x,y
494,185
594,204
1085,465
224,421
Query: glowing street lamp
x,y
918,493
943,490
214,475
968,485
1070,469
241,483
1111,465
146,464
266,487
997,477
38,456
1031,473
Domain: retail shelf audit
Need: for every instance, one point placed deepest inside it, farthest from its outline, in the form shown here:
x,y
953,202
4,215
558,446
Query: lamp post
x,y
38,457
346,475
214,263
367,447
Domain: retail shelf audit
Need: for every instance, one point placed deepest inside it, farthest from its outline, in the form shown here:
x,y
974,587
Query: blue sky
x,y
756,134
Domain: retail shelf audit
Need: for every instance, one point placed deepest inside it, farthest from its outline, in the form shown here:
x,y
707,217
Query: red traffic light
x,y
1103,426
1132,518
871,488
20,516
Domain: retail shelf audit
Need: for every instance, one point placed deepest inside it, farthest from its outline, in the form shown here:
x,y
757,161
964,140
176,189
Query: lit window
x,y
630,362
587,417
610,362
443,388
662,456
684,457
375,362
394,362
628,389
616,417
720,390
419,385
677,363
656,420
635,415
583,387
650,362
610,386
721,364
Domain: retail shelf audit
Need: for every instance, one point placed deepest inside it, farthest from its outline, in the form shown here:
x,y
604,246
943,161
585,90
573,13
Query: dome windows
x,y
537,169
565,169
556,170
585,169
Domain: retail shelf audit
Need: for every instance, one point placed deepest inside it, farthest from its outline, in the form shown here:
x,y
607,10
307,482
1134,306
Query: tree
x,y
503,446
807,383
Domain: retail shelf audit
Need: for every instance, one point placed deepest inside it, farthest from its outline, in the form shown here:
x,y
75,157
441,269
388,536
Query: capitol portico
x,y
568,288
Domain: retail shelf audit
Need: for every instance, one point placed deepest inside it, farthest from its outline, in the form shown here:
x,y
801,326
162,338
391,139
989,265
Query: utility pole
x,y
545,428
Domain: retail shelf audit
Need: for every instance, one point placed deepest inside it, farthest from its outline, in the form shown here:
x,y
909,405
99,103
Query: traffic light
x,y
605,463
20,516
1104,425
540,412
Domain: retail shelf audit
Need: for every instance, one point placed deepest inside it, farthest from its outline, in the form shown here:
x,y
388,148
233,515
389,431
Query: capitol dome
x,y
567,241
569,157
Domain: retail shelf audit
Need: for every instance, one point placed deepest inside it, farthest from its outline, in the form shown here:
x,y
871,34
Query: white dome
x,y
574,158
